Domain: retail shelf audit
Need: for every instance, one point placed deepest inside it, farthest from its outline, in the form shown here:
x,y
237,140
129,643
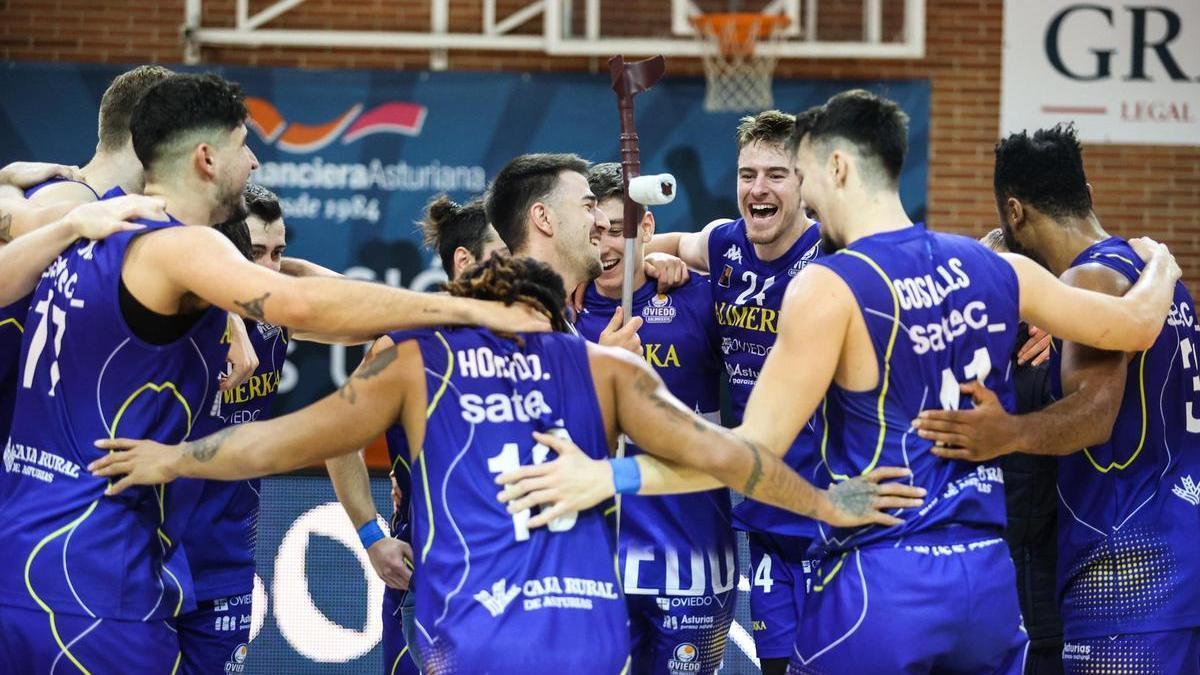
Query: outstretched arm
x,y
691,247
342,422
1129,323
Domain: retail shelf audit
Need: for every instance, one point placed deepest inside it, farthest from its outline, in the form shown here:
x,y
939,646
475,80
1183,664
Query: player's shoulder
x,y
61,191
723,227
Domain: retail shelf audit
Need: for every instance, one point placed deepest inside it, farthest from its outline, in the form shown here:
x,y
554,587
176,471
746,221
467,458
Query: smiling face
x,y
612,245
768,191
577,226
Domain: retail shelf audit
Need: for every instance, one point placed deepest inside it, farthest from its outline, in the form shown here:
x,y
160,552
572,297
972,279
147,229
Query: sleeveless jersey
x,y
1129,509
494,596
86,376
940,310
674,544
12,327
221,548
747,294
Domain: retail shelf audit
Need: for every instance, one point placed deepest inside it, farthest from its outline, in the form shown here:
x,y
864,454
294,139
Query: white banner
x,y
1124,72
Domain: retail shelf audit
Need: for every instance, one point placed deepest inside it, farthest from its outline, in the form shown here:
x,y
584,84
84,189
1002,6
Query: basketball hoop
x,y
738,76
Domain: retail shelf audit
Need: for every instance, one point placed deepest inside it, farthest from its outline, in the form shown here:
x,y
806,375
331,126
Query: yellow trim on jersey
x,y
433,403
178,659
20,328
820,586
396,663
29,585
885,376
1121,466
625,669
157,388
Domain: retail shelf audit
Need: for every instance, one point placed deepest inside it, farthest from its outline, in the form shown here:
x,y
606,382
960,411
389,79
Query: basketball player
x,y
750,262
841,349
677,553
460,234
126,340
495,595
1128,555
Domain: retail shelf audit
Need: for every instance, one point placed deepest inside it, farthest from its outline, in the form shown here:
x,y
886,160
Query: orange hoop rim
x,y
737,32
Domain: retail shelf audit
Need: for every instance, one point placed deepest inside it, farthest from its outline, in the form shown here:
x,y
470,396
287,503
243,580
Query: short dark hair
x,y
521,279
448,225
770,126
239,233
262,203
181,104
876,126
607,180
519,184
1045,170
118,101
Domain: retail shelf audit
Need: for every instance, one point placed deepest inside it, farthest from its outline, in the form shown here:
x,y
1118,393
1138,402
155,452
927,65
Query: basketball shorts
x,y
677,635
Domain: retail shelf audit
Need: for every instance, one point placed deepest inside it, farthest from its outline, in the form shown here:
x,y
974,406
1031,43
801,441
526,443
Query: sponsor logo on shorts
x,y
225,624
1074,651
1187,490
547,593
498,599
237,660
685,659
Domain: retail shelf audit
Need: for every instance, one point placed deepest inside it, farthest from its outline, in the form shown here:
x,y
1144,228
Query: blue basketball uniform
x,y
221,544
494,596
677,553
12,327
747,294
1173,651
1128,552
939,591
86,376
399,629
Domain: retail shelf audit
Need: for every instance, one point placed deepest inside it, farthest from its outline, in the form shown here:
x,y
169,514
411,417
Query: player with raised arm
x,y
886,325
495,593
126,340
677,554
1125,430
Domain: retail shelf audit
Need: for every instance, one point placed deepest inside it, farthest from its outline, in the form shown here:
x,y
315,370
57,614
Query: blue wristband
x,y
370,533
627,476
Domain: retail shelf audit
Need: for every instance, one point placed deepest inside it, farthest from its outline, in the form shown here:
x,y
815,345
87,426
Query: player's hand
x,y
140,462
977,435
1147,248
98,220
670,271
622,337
1036,349
397,495
242,358
571,483
862,500
392,560
25,175
515,318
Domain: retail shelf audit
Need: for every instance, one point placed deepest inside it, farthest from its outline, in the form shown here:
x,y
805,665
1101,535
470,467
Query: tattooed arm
x,y
217,274
342,422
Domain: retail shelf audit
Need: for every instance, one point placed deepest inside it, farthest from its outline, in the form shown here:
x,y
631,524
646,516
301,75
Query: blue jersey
x,y
747,294
12,327
1128,550
495,596
86,376
940,309
221,547
676,544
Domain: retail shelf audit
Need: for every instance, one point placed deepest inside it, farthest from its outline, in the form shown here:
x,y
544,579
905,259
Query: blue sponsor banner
x,y
355,155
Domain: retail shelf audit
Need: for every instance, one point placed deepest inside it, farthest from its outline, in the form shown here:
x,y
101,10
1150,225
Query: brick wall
x,y
1139,190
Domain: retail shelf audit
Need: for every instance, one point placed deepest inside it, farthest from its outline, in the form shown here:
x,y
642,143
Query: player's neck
x,y
542,250
776,249
873,215
107,170
1073,235
187,204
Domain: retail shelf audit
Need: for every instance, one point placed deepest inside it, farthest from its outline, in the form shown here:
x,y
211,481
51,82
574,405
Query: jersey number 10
x,y
509,459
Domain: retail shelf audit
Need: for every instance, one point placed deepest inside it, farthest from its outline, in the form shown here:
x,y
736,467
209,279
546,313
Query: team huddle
x,y
561,479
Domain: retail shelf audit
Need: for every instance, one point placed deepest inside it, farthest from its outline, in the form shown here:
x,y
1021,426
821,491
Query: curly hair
x,y
1044,169
510,280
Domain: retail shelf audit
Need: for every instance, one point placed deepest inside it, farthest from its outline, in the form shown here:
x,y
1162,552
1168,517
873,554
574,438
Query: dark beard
x,y
1013,246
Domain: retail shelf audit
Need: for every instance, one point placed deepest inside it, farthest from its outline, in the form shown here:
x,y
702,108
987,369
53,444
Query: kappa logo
x,y
352,125
1187,490
734,253
499,598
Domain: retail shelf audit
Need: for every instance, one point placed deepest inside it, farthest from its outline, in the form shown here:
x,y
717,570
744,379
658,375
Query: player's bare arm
x,y
23,175
1128,323
25,258
217,274
363,408
691,247
1093,386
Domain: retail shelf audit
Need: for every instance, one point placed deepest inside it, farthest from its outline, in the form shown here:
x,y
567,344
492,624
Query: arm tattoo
x,y
254,307
756,471
206,448
650,387
5,226
366,371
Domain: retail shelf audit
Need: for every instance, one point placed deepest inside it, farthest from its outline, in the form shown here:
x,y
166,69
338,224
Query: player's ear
x,y
462,260
647,227
539,215
839,167
204,159
1091,193
1014,212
